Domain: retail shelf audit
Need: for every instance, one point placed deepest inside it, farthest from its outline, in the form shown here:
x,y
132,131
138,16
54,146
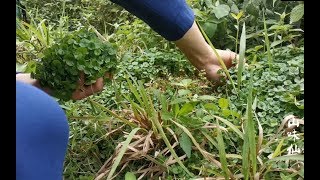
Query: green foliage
x,y
135,36
99,13
152,63
32,39
297,13
121,153
86,144
189,129
80,51
279,89
222,152
130,176
249,148
241,55
217,17
221,10
185,144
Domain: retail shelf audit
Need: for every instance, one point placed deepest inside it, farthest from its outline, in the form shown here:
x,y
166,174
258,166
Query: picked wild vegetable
x,y
79,51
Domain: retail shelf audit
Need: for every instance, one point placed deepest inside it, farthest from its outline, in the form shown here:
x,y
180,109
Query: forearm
x,y
198,51
193,45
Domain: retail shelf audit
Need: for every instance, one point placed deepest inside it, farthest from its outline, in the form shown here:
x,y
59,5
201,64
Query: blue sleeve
x,y
170,18
42,134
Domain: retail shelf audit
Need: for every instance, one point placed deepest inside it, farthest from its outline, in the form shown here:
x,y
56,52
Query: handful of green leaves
x,y
79,51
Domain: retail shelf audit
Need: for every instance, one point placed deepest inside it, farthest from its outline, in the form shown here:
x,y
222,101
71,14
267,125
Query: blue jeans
x,y
170,18
42,134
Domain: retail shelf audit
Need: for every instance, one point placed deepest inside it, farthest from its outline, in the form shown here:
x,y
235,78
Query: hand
x,y
81,92
213,65
84,91
202,56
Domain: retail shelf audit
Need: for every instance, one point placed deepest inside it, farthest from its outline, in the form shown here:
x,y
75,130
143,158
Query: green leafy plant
x,y
297,13
153,63
188,130
80,51
32,39
99,13
217,19
237,17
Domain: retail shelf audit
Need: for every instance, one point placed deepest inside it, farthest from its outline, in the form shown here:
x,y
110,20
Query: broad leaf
x,y
221,10
297,13
185,144
130,176
186,108
210,28
223,103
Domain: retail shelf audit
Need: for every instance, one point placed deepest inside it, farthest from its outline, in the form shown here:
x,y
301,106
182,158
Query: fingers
x,y
78,94
81,80
108,75
213,76
212,73
226,55
84,91
96,87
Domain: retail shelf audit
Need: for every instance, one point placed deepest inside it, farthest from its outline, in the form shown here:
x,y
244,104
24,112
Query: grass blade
x,y
166,141
260,138
113,114
277,152
138,111
210,139
37,34
287,157
203,152
249,149
228,123
234,156
222,152
245,156
267,42
133,90
43,30
241,55
122,151
251,130
146,102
